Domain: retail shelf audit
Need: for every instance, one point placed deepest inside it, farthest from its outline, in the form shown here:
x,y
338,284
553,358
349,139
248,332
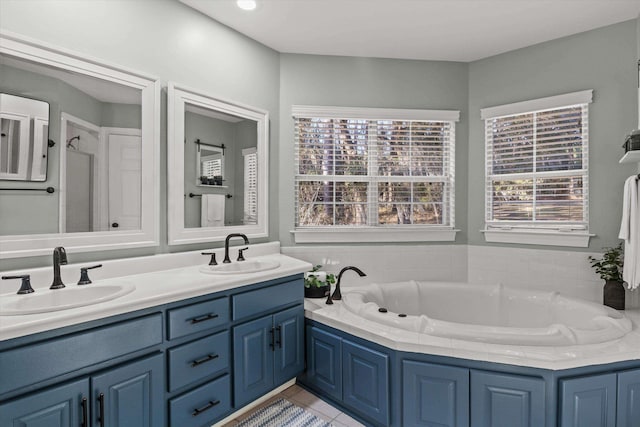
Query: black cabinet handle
x,y
115,225
205,408
85,414
271,342
279,336
207,358
204,318
101,414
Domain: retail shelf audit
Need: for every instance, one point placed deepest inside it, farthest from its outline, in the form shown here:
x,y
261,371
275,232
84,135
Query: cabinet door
x,y
434,395
588,401
629,399
289,344
324,362
131,395
253,359
365,377
501,400
61,406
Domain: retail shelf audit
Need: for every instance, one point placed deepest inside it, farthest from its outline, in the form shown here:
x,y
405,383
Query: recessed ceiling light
x,y
246,4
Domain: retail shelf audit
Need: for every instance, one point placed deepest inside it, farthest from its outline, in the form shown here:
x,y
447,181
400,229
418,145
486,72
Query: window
x,y
537,171
373,174
250,186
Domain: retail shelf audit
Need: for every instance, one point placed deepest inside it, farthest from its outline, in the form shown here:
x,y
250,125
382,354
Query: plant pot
x,y
316,292
613,294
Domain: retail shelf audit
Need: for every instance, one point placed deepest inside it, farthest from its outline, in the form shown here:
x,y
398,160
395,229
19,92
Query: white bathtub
x,y
497,314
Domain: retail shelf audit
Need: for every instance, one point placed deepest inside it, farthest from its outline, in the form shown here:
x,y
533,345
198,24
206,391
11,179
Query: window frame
x,y
380,233
552,233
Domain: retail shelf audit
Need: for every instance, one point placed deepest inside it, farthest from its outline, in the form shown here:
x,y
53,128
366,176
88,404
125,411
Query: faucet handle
x,y
241,254
84,275
212,261
25,285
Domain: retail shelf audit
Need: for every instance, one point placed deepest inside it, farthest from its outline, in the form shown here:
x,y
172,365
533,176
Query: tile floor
x,y
310,402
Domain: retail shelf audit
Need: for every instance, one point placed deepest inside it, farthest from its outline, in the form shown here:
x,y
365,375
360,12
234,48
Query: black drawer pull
x,y
101,414
205,408
205,359
85,413
279,336
204,318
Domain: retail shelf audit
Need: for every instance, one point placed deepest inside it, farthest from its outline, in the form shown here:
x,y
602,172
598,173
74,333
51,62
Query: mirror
x,y
217,168
24,130
101,186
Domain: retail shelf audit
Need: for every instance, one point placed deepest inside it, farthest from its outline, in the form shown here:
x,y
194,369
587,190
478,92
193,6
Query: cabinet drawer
x,y
202,406
265,299
198,359
41,361
198,317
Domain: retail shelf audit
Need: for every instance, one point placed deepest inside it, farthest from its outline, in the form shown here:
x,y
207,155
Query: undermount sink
x,y
241,267
44,301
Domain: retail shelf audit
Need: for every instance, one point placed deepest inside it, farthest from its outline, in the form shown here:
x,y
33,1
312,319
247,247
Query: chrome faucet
x,y
59,257
226,245
336,294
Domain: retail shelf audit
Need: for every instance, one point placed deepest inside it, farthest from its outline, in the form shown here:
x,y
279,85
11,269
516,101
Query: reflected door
x,y
125,178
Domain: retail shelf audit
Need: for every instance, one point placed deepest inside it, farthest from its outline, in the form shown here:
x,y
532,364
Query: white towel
x,y
212,213
630,232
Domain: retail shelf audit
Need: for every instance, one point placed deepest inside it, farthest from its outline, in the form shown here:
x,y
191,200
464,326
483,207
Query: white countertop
x,y
545,357
151,288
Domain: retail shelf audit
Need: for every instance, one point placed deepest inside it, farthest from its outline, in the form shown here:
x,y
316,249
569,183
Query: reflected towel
x,y
212,213
630,232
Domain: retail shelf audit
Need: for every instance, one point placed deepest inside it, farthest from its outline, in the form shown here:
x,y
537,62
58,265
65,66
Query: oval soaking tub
x,y
491,314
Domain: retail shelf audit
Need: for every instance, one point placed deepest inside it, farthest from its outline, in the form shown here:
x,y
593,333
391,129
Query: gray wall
x,y
166,39
602,60
176,43
369,82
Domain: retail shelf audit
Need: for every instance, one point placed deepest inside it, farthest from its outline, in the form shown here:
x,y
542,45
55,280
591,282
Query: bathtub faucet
x,y
336,294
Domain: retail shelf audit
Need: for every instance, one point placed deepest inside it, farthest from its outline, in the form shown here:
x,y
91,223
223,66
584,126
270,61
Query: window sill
x,y
538,237
372,234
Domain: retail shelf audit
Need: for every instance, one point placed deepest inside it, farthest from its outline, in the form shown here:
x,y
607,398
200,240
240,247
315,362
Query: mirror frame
x,y
17,246
178,95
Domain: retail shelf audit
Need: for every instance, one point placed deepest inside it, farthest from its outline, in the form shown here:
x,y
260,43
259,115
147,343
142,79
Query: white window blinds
x,y
250,186
355,171
537,166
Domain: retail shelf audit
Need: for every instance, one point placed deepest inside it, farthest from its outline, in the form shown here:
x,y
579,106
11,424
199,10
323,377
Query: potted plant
x,y
609,267
317,283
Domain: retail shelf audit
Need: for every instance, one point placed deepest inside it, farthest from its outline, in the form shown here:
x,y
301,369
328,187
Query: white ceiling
x,y
448,30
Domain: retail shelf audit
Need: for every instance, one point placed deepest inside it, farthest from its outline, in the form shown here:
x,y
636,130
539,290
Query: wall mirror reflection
x,y
24,129
102,167
217,168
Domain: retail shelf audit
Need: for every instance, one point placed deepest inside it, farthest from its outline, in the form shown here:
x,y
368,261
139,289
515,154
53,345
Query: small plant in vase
x,y
609,267
317,283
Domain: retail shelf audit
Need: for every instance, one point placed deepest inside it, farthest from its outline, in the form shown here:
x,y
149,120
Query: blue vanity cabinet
x,y
61,406
434,395
267,351
588,401
365,381
128,395
352,374
324,362
289,344
253,359
503,400
628,409
131,392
